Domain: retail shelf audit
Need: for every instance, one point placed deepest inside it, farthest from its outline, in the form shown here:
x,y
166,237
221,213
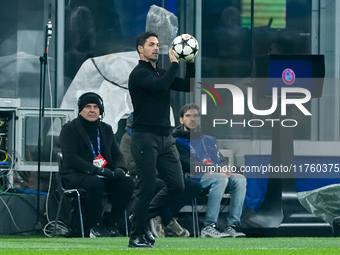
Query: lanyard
x,y
98,143
204,148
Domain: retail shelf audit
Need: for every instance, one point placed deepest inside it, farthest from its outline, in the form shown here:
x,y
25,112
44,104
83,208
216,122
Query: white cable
x,y
61,229
3,201
51,148
4,191
10,168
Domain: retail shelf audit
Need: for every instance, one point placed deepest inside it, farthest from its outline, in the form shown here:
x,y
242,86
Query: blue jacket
x,y
197,150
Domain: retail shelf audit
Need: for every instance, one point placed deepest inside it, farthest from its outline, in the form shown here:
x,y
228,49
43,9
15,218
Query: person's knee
x,y
241,181
198,188
192,186
95,188
221,180
177,188
215,179
125,186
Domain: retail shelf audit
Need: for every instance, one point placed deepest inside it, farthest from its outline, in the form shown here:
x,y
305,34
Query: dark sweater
x,y
150,93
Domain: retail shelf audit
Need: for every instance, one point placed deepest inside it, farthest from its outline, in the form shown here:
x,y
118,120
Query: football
x,y
185,47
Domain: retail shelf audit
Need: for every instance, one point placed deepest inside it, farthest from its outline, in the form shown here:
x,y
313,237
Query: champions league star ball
x,y
185,47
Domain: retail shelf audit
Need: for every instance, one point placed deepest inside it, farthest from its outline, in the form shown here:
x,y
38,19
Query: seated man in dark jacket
x,y
92,161
199,151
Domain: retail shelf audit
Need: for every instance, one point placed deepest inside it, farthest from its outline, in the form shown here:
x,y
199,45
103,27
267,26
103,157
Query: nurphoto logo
x,y
280,98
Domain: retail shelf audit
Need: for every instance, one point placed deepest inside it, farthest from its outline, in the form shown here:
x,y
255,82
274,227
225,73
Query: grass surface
x,y
173,246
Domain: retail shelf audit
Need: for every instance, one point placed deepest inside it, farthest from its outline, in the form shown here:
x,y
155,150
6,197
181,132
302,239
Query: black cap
x,y
90,98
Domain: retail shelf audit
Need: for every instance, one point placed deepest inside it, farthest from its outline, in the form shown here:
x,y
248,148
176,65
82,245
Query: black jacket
x,y
77,152
150,93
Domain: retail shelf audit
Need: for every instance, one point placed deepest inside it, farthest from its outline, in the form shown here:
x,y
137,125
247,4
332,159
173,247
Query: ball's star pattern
x,y
180,44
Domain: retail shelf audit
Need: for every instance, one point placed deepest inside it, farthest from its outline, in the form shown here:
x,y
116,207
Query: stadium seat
x,y
71,193
75,193
201,207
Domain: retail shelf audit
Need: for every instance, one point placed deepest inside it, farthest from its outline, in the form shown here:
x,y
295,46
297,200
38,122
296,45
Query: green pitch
x,y
181,246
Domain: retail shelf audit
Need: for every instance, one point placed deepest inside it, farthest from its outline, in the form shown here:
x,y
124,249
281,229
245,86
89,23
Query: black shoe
x,y
139,242
149,237
113,231
99,231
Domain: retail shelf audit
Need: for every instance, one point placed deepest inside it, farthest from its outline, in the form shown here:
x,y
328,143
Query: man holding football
x,y
152,145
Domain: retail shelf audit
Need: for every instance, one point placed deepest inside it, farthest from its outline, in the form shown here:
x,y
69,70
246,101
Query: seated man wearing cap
x,y
92,161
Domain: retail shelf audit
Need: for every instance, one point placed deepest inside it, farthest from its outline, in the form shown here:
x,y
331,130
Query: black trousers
x,y
152,152
119,192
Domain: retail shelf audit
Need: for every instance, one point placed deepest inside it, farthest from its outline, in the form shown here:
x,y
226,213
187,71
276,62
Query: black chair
x,y
71,193
74,193
203,204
